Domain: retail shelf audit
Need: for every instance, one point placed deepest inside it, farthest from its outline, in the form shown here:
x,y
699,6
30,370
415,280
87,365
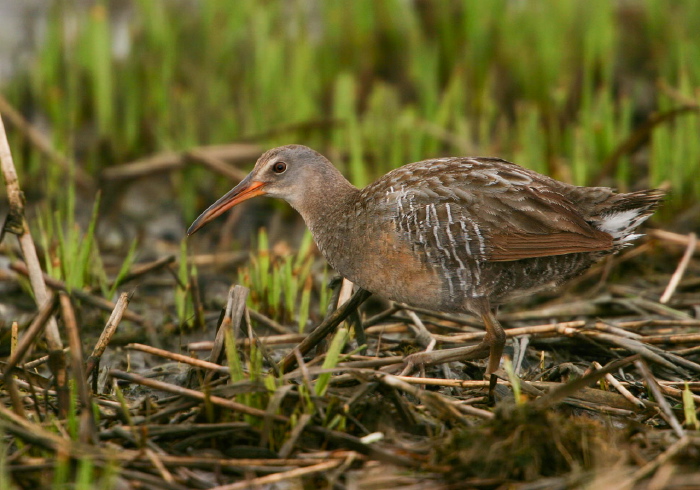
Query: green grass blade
x,y
125,267
234,362
331,360
691,416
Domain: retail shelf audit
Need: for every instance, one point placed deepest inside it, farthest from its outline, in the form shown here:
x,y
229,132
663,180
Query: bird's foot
x,y
433,358
493,380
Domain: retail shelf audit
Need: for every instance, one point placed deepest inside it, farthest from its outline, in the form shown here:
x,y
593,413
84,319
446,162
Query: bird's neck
x,y
326,198
328,209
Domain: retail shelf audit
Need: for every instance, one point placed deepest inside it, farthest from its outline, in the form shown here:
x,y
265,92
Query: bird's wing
x,y
484,209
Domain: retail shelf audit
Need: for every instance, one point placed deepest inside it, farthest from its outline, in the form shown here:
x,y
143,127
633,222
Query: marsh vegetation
x,y
128,118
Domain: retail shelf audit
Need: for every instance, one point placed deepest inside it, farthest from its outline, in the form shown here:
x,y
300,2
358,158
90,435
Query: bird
x,y
456,234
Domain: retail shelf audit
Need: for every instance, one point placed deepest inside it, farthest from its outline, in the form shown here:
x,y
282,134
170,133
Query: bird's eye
x,y
279,167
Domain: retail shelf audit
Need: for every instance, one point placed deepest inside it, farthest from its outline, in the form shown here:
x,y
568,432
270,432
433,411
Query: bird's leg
x,y
491,346
495,339
360,334
431,358
324,329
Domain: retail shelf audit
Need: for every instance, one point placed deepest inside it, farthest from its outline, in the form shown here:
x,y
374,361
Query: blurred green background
x,y
591,92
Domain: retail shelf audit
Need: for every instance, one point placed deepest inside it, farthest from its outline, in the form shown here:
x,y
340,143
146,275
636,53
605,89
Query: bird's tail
x,y
622,213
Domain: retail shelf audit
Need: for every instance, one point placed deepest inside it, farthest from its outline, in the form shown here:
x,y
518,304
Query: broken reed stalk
x,y
557,395
680,270
288,338
87,422
676,393
345,292
290,443
423,337
17,224
14,337
672,238
441,405
35,329
99,401
653,386
40,360
178,358
57,365
619,387
673,339
193,394
268,322
107,333
324,329
233,315
157,463
280,477
214,462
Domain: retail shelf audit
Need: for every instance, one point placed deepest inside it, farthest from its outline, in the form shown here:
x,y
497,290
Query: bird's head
x,y
287,172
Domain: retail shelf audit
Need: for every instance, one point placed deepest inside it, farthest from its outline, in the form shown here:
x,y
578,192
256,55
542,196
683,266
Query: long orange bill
x,y
245,190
